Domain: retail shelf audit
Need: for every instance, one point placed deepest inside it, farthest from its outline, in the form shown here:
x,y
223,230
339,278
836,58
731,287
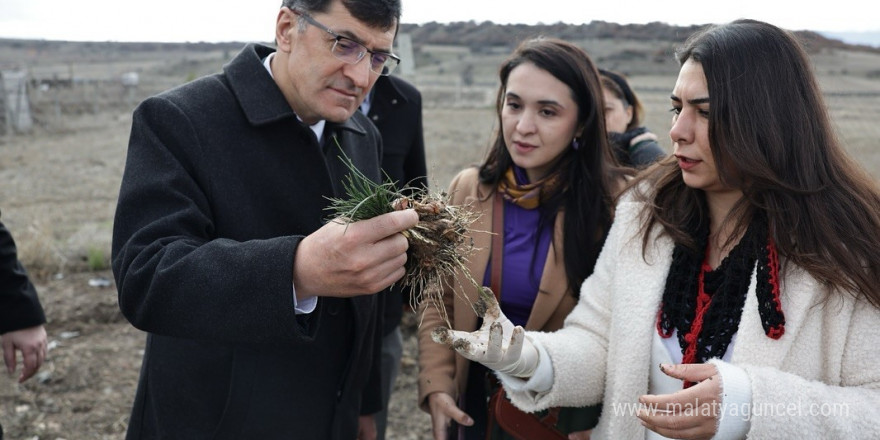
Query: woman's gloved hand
x,y
497,344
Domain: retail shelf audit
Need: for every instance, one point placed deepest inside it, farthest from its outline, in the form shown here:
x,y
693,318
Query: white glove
x,y
516,356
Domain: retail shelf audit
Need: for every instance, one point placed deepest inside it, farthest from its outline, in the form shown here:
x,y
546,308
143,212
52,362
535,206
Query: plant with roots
x,y
438,244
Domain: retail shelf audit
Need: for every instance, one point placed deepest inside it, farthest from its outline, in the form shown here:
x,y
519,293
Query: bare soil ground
x,y
58,194
58,197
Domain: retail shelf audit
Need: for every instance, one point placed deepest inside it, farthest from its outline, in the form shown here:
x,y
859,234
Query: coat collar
x,y
795,305
553,285
752,346
261,100
386,89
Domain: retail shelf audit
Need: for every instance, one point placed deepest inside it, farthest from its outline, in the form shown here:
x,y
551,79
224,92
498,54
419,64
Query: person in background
x,y
737,292
261,316
633,144
21,316
395,107
549,179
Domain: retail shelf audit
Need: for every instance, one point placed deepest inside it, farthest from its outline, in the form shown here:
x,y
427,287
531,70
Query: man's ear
x,y
285,26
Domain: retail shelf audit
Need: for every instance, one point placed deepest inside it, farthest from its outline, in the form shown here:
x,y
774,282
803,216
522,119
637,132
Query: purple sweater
x,y
523,263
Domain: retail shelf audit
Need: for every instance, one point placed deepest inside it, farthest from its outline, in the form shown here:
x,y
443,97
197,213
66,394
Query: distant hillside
x,y
867,37
479,36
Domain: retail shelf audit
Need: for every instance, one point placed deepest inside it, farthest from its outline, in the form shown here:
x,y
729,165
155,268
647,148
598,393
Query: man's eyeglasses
x,y
350,51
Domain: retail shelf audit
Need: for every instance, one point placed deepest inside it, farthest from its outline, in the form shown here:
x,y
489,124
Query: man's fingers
x,y
389,271
42,353
32,361
9,356
379,227
30,367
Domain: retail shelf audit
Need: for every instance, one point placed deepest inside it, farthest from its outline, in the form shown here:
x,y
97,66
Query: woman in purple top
x,y
551,157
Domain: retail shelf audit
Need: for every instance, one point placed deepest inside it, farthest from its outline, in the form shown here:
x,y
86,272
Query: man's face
x,y
317,84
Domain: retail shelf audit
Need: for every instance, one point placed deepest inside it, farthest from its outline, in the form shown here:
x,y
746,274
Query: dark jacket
x,y
19,306
640,155
396,110
221,183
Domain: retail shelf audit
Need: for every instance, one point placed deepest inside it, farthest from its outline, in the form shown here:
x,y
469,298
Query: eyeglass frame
x,y
386,69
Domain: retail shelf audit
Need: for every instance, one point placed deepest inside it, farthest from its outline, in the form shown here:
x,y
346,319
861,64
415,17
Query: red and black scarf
x,y
705,305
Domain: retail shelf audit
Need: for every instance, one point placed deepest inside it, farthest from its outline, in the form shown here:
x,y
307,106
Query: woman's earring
x,y
575,144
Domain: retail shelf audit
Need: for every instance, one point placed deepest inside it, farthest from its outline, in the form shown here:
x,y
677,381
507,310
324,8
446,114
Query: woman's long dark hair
x,y
771,136
589,171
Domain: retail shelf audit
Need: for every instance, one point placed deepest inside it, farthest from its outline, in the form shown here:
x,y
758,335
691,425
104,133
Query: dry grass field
x,y
58,188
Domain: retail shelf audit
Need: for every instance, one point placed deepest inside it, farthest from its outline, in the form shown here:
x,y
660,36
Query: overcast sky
x,y
253,20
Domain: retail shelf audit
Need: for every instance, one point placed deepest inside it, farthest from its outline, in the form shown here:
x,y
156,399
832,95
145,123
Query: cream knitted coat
x,y
821,379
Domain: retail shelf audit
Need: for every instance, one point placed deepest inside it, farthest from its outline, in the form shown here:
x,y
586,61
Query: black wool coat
x,y
396,110
19,306
220,185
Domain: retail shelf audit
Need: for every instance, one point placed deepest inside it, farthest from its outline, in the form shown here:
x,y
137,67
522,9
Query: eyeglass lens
x,y
351,51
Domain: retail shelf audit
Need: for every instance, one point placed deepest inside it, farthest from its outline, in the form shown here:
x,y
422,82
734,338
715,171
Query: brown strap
x,y
495,284
552,416
497,245
490,417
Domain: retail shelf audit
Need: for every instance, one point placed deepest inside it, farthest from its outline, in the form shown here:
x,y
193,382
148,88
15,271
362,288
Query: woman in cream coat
x,y
737,293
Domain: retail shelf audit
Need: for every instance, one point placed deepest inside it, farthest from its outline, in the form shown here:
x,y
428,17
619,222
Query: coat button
x,y
333,309
375,117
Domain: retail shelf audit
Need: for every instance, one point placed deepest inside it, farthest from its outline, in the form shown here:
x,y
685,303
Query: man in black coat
x,y
395,107
260,314
21,315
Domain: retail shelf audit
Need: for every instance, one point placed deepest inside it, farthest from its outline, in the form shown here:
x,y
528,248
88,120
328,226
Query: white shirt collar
x,y
368,100
318,127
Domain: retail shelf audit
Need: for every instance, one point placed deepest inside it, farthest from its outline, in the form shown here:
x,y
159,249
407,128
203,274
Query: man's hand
x,y
367,427
31,342
352,259
516,356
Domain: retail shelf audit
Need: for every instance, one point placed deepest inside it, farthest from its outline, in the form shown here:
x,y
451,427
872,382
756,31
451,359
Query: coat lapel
x,y
465,317
640,292
752,345
260,98
554,283
385,96
642,300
